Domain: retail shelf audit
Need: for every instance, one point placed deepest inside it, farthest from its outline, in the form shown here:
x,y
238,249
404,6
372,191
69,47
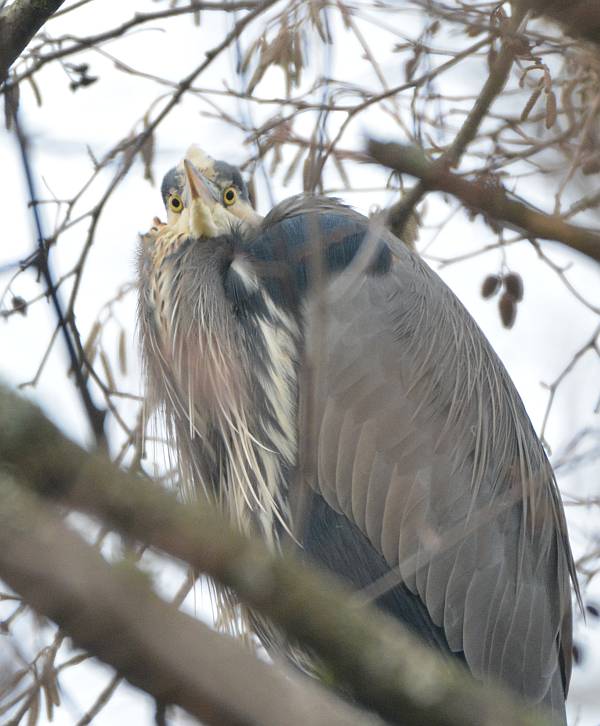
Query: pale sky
x,y
550,325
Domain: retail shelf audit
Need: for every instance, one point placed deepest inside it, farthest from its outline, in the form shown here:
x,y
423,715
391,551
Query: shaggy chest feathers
x,y
227,382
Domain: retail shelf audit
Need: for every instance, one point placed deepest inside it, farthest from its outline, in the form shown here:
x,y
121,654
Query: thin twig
x,y
94,414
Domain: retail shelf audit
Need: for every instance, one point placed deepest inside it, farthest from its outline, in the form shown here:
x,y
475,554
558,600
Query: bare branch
x,y
580,18
80,44
444,79
386,668
66,325
493,201
112,612
400,213
19,22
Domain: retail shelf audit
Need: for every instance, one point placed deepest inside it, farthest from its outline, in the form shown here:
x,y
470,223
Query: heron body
x,y
324,385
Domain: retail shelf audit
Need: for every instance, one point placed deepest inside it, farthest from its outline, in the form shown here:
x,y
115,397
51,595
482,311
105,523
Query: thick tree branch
x,y
493,201
579,18
71,45
386,668
112,612
19,22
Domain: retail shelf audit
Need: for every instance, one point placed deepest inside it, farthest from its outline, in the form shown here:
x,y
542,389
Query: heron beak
x,y
197,186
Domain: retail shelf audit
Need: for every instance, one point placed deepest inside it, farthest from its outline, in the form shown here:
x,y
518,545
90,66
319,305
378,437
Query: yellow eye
x,y
175,203
230,196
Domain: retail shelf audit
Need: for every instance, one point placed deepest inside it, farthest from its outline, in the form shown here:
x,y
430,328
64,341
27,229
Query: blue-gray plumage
x,y
324,386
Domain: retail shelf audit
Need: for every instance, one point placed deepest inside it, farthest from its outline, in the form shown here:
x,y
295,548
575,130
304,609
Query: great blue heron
x,y
309,361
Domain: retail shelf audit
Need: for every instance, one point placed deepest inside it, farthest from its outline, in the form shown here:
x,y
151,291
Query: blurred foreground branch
x,y
385,668
579,18
490,199
111,611
19,22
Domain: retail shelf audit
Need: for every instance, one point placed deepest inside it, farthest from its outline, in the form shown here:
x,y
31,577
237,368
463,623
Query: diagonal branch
x,y
71,45
579,18
385,668
19,22
112,612
95,415
493,201
400,213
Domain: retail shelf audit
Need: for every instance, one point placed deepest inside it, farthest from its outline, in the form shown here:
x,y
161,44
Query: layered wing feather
x,y
423,445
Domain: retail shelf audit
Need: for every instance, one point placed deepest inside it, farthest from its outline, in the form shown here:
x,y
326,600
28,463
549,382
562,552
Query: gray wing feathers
x,y
362,466
425,445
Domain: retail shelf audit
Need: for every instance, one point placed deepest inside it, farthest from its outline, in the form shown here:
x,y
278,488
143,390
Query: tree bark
x,y
112,612
19,22
579,18
492,201
385,667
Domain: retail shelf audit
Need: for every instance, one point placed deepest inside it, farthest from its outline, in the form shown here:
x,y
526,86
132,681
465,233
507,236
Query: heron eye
x,y
229,196
175,203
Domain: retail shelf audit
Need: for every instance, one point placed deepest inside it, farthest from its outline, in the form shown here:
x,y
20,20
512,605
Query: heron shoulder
x,y
306,237
308,203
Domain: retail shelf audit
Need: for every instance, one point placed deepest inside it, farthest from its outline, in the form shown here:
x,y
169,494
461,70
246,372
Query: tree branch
x,y
112,612
493,201
77,44
386,668
400,212
66,324
19,22
579,18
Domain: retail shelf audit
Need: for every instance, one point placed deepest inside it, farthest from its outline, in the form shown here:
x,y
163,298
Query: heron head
x,y
204,197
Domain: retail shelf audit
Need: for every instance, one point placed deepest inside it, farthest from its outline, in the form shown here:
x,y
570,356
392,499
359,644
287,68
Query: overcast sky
x,y
550,326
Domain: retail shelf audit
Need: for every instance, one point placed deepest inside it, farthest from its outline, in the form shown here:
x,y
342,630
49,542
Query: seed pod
x,y
513,284
490,286
147,154
89,347
122,353
293,166
591,165
531,103
567,100
473,30
508,310
11,103
36,90
276,160
34,708
550,110
251,191
110,379
19,305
